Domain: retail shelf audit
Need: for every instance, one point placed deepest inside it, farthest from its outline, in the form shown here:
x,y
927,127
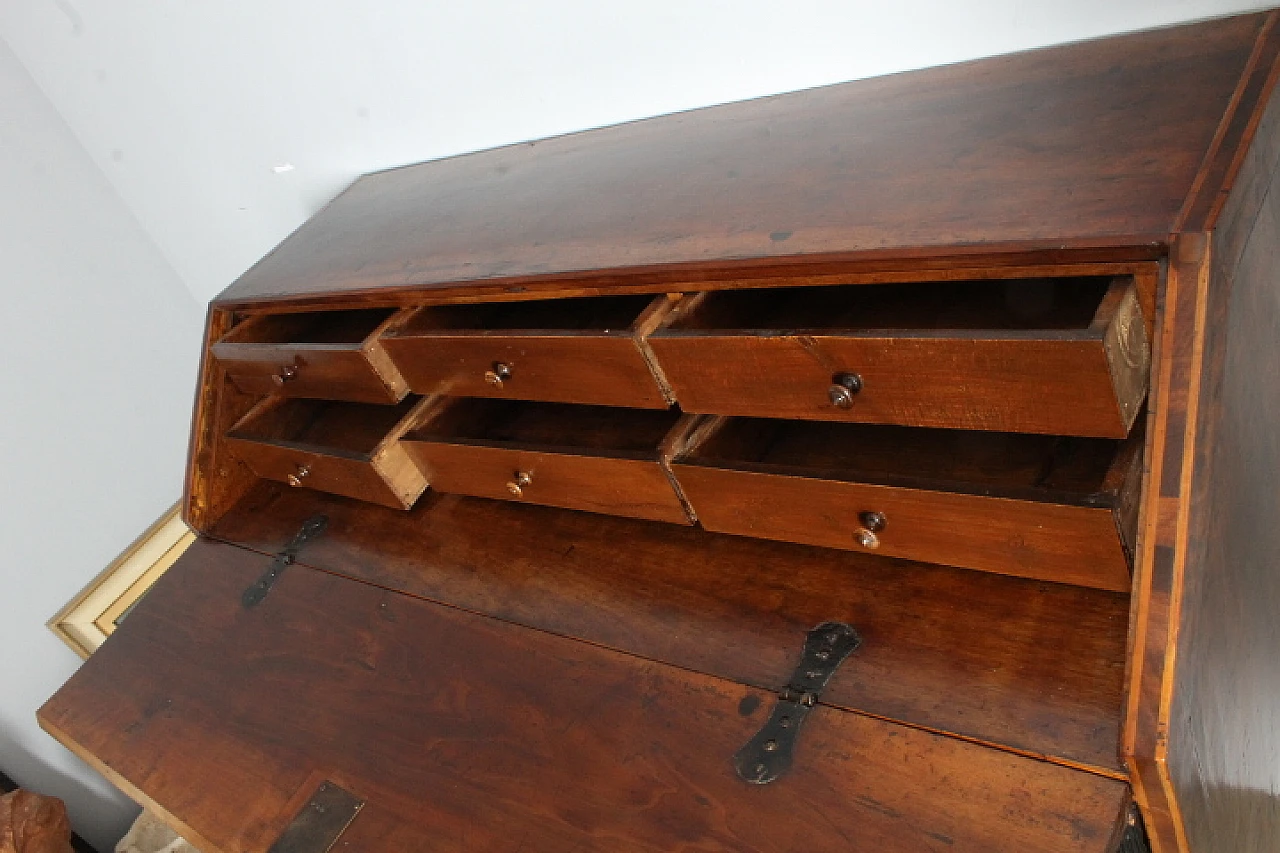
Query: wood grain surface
x,y
466,733
334,355
1092,144
1223,752
1031,539
1035,667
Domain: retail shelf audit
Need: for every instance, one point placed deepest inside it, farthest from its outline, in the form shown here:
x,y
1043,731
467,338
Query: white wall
x,y
97,369
188,107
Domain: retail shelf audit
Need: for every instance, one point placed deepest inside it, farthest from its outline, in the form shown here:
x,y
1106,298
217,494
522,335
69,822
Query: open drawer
x,y
1061,356
328,355
350,449
1044,507
580,350
390,723
595,458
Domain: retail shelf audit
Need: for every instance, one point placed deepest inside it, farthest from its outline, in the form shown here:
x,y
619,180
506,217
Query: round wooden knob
x,y
286,373
843,387
296,479
517,486
866,538
499,373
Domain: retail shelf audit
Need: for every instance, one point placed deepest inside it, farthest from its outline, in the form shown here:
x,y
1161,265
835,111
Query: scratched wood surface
x,y
1097,143
1035,667
463,732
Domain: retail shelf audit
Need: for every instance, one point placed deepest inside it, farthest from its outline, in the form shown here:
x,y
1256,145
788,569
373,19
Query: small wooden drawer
x,y
1055,356
581,350
1043,507
593,458
327,355
350,449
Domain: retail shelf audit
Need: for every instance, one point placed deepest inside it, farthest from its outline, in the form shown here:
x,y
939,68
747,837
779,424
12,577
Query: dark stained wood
x,y
466,733
1223,749
1236,134
568,351
332,355
1021,505
351,449
1090,143
1030,666
1064,357
594,458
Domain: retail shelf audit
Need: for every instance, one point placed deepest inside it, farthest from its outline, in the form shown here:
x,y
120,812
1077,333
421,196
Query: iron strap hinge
x,y
768,755
310,529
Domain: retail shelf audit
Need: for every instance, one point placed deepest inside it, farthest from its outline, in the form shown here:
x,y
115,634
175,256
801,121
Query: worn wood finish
x,y
1095,143
1046,683
1223,757
475,732
1018,505
215,478
335,355
454,349
351,449
1010,356
594,458
1043,541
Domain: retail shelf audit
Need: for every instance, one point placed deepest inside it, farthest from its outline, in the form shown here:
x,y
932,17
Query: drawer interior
x,y
599,430
349,328
600,314
351,430
1009,464
1004,305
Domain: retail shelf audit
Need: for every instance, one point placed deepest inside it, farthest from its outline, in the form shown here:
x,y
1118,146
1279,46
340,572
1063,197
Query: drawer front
x,y
296,370
1042,541
391,479
636,488
601,370
1062,387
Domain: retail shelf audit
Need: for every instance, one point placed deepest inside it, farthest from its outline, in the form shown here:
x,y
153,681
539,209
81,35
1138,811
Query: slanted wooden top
x,y
1115,142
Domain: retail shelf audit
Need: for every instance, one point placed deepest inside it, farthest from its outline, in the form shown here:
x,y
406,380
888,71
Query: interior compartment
x,y
1007,305
602,313
310,327
549,426
352,430
1064,467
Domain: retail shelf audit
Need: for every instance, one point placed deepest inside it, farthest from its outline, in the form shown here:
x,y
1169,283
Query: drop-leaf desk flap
x,y
445,730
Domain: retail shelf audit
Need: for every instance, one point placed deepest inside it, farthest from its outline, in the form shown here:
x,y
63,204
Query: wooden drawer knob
x,y
286,373
296,479
499,373
843,387
517,486
872,524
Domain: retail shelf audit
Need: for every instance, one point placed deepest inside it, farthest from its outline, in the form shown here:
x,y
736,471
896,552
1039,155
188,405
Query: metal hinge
x,y
310,529
768,755
320,822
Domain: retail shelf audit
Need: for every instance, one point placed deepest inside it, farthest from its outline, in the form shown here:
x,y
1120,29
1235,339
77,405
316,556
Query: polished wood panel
x,y
1028,506
1047,682
1086,143
567,351
1224,711
470,731
331,355
593,458
351,449
1064,357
